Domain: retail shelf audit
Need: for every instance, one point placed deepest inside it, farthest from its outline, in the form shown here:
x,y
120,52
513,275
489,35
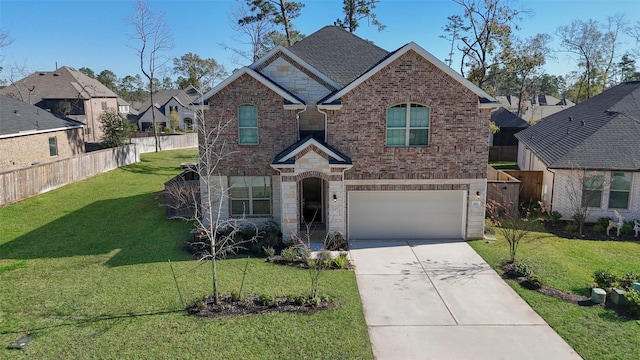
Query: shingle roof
x,y
161,97
600,133
62,83
19,117
505,118
338,54
335,156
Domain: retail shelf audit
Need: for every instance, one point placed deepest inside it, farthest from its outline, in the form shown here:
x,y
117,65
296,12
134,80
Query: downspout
x,y
553,183
298,120
326,132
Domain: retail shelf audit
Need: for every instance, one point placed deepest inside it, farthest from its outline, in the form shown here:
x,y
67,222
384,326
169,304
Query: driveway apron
x,y
441,300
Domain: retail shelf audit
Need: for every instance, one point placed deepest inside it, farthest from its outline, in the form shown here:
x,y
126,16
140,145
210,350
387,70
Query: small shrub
x,y
627,228
289,254
598,228
336,242
201,305
627,280
269,251
633,302
235,296
555,216
603,221
340,262
300,300
521,269
571,226
604,278
265,299
323,258
534,281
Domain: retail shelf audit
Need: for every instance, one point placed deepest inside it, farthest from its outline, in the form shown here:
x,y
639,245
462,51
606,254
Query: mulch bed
x,y
251,304
559,229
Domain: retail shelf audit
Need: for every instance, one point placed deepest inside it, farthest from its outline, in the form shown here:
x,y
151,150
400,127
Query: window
x,y
592,188
53,146
248,125
104,105
408,125
619,190
250,195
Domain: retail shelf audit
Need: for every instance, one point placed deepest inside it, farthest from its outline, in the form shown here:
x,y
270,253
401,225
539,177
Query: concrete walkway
x,y
430,300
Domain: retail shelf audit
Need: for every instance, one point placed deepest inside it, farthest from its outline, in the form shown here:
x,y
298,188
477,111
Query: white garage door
x,y
407,215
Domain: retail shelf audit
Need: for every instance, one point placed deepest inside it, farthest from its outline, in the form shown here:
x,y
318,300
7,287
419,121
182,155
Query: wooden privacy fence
x,y
530,184
22,183
503,188
166,142
503,153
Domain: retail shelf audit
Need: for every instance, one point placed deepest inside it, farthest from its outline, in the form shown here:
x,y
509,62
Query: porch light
x,y
478,195
335,198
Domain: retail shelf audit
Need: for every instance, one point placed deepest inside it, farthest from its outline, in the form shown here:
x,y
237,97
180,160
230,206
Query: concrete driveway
x,y
440,300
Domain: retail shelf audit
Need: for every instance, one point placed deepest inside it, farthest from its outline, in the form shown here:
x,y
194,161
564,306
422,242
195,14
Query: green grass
x,y
504,165
594,332
85,270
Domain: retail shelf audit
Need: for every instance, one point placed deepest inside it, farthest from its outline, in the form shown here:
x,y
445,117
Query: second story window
x,y
248,125
53,146
104,105
408,125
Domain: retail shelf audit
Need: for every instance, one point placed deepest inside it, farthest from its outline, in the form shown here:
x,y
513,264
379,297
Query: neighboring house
x,y
509,124
29,134
339,132
593,149
167,101
67,92
537,107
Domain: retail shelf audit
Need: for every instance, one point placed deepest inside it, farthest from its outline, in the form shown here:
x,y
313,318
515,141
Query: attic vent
x,y
42,74
56,74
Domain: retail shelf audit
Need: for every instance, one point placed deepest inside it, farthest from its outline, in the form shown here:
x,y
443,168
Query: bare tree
x,y
490,23
202,203
510,222
583,191
154,40
255,31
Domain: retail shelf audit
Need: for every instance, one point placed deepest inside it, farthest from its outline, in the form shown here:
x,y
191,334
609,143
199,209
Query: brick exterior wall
x,y
459,131
21,151
277,128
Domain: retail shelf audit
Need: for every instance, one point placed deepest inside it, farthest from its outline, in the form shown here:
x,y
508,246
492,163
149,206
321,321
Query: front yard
x,y
84,270
594,332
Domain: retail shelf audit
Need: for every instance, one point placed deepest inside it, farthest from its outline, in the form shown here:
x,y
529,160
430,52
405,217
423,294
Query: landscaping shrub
x,y
605,278
336,242
269,251
265,299
599,228
627,280
627,228
533,282
633,302
289,254
341,260
521,269
603,222
555,216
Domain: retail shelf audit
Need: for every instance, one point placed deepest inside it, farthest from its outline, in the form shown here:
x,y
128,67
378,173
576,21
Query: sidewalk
x,y
430,300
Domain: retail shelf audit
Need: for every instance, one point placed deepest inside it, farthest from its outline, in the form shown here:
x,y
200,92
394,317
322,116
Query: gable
x,y
484,99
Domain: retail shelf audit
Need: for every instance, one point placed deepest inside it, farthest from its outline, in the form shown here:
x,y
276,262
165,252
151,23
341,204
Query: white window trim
x,y
629,192
250,199
248,127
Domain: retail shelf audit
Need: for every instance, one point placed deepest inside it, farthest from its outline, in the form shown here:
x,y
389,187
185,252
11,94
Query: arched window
x,y
408,125
247,125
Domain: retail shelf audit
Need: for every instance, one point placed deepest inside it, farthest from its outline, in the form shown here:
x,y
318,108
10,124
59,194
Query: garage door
x,y
391,215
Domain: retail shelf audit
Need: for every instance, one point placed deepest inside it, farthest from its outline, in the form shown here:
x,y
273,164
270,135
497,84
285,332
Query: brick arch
x,y
313,174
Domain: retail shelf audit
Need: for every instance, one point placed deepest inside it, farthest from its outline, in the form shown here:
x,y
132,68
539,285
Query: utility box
x,y
598,296
617,297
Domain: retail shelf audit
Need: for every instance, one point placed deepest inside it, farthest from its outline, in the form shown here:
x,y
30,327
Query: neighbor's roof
x,y
505,118
62,83
19,118
161,97
602,132
338,54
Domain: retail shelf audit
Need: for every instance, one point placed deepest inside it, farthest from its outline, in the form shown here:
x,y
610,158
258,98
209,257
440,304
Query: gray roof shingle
x,y
602,132
505,118
19,117
62,83
338,54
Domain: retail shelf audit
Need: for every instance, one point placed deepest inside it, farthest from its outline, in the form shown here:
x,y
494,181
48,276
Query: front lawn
x,y
594,332
84,269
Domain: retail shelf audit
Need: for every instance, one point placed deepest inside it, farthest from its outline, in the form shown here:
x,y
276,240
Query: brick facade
x,y
25,150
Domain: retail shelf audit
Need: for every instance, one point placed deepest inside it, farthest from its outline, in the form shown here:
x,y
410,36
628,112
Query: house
x,y
67,92
166,102
29,134
591,150
341,133
509,124
537,107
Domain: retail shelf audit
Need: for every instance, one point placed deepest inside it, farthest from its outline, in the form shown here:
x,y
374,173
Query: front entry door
x,y
312,204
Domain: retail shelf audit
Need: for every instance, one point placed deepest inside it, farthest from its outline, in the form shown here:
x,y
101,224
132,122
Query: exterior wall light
x,y
335,198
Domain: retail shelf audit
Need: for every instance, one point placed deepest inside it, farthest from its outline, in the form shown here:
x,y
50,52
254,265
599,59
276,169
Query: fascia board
x,y
317,144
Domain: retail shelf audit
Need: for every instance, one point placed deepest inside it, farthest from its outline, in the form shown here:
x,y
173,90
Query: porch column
x,y
337,208
289,208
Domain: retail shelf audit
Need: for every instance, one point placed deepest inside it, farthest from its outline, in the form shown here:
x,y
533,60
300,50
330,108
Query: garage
x,y
407,215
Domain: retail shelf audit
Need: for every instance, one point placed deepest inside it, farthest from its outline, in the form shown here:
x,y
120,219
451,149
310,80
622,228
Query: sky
x,y
94,33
